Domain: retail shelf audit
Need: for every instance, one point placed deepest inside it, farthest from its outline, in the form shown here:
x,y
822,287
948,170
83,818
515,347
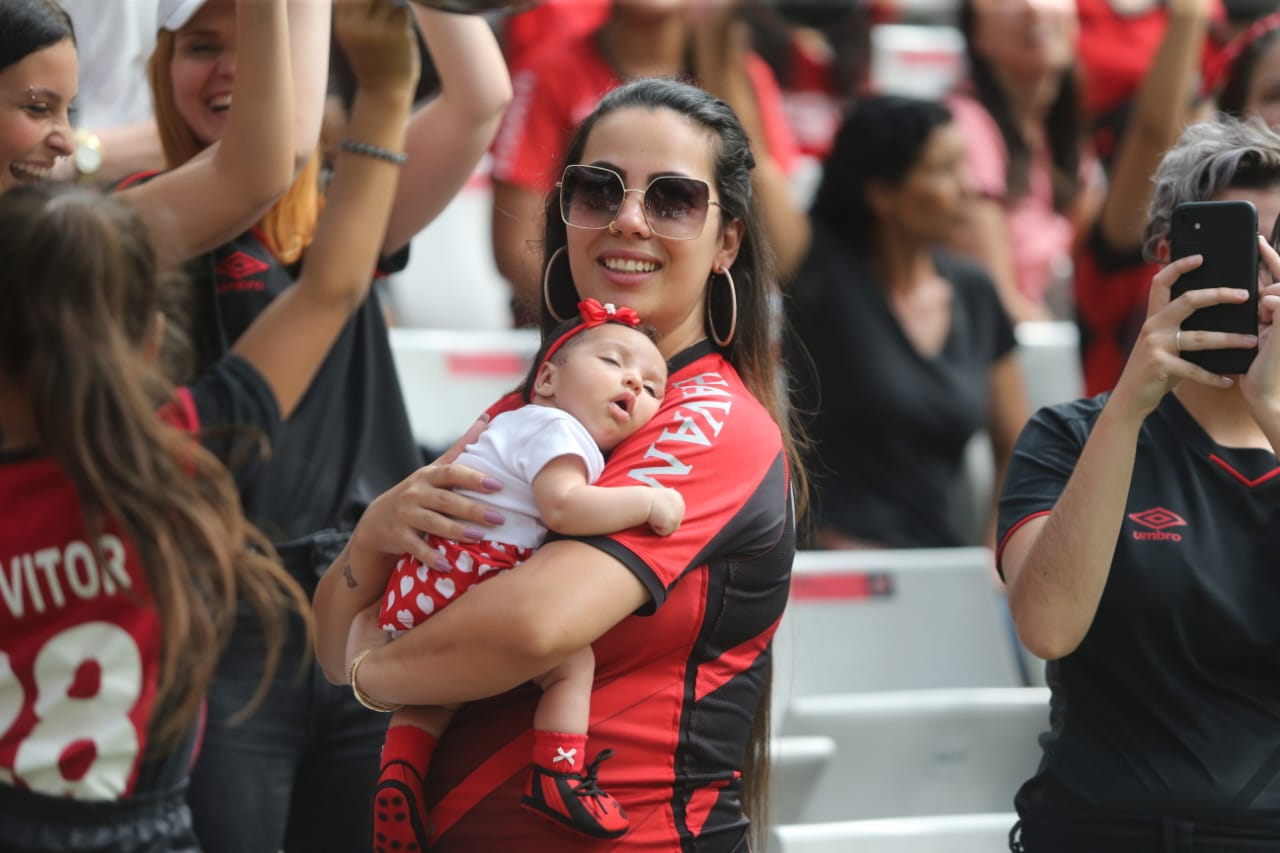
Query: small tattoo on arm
x,y
350,578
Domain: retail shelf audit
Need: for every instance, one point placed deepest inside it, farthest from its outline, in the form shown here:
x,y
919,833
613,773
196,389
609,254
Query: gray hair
x,y
1209,158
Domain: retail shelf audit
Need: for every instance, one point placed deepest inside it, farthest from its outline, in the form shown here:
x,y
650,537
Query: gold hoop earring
x,y
546,286
733,316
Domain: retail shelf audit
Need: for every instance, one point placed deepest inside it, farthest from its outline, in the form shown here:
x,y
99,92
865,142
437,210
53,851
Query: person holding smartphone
x,y
1138,537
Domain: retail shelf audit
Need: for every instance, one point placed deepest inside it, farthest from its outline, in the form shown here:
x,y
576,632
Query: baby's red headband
x,y
594,314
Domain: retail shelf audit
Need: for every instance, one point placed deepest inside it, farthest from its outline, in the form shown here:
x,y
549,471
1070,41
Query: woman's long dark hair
x,y
880,141
1064,124
752,351
30,25
80,288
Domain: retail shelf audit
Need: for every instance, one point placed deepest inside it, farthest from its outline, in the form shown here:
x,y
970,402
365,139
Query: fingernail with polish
x,y
491,484
442,565
494,517
472,534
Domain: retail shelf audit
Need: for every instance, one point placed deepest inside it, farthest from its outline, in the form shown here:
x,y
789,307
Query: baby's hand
x,y
666,511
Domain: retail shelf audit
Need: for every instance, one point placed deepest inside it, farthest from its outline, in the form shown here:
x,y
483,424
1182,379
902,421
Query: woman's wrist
x,y
353,678
392,93
1118,415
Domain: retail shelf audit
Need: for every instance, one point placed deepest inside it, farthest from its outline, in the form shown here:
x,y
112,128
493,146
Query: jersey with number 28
x,y
79,642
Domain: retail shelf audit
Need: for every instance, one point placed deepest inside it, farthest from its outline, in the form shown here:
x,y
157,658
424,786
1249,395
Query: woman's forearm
x,y
448,136
1056,579
507,630
309,27
208,200
355,580
255,157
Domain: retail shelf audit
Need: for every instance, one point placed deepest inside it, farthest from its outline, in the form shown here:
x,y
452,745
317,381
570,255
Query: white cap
x,y
173,14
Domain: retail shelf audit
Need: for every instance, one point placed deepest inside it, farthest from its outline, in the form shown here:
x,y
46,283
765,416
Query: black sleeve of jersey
x,y
1108,258
393,263
1043,460
239,415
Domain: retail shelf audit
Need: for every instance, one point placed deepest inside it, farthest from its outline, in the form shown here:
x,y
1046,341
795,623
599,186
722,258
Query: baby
x,y
600,379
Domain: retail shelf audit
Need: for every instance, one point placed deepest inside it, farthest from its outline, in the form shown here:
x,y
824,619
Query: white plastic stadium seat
x,y
970,833
892,620
1049,353
911,59
922,752
795,764
451,281
449,378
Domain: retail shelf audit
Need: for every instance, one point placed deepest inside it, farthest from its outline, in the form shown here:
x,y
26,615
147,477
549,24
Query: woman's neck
x,y
1030,97
645,45
679,339
1223,414
900,263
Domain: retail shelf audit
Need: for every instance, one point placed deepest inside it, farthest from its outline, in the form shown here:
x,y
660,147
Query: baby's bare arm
x,y
568,505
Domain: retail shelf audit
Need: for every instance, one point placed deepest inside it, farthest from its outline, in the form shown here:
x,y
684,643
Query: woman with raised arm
x,y
350,437
653,210
123,543
1139,532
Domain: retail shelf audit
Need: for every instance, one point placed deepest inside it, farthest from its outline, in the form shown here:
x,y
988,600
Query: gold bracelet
x,y
360,695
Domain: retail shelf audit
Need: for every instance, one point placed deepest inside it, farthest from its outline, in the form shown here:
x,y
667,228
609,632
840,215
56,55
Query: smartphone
x,y
1226,234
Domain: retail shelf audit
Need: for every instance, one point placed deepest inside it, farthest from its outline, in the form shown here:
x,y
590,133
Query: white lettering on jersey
x,y
692,420
74,569
79,740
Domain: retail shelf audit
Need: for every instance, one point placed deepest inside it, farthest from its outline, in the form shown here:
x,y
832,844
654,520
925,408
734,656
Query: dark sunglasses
x,y
675,207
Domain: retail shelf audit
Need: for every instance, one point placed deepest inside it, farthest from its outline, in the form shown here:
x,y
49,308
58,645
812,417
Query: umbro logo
x,y
1157,521
240,265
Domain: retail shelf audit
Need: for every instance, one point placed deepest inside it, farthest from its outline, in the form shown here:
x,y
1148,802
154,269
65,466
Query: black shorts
x,y
149,823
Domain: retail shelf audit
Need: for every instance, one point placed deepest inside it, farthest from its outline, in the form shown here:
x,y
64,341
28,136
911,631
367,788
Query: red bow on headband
x,y
594,314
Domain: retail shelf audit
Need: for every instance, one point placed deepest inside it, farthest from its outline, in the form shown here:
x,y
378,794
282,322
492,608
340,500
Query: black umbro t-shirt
x,y
1170,706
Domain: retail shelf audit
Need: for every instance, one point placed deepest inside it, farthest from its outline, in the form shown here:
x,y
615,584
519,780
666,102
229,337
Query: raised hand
x,y
1261,385
377,37
1156,365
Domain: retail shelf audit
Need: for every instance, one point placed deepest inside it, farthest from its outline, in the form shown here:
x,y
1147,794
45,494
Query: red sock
x,y
560,752
399,816
409,744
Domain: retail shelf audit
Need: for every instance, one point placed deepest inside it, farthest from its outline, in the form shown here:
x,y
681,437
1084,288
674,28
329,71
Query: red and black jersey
x,y
1170,706
677,683
80,642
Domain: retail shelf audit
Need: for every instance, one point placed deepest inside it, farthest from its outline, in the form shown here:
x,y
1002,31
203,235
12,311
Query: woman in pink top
x,y
1020,112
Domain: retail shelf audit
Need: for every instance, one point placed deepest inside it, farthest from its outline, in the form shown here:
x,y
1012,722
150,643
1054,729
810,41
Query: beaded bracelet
x,y
360,695
365,149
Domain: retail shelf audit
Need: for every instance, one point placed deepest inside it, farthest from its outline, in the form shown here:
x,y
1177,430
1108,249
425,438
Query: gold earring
x,y
733,317
546,286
